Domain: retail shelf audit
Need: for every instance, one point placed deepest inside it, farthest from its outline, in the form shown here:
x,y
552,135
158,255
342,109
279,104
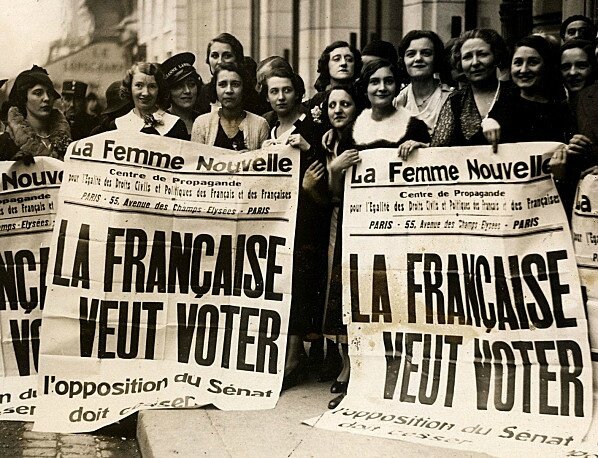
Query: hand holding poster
x,y
466,325
27,207
169,281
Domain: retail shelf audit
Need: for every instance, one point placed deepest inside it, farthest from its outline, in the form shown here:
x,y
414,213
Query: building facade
x,y
300,29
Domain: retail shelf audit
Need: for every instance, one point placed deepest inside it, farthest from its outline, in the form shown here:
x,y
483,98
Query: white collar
x,y
133,123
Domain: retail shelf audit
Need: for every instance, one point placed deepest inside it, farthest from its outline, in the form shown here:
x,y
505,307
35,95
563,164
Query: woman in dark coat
x,y
34,128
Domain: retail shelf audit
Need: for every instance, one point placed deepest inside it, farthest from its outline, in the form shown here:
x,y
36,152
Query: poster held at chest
x,y
463,303
169,280
28,197
585,240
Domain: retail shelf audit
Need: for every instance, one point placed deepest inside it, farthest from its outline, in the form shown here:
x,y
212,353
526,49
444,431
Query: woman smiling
x,y
145,86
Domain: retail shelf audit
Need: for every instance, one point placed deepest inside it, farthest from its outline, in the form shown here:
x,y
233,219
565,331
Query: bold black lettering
x,y
269,333
571,361
135,250
257,246
87,325
412,287
558,289
223,270
156,272
81,262
499,376
179,262
504,305
272,268
482,364
57,278
394,356
23,333
454,299
380,294
356,315
229,313
530,279
423,397
409,366
111,258
433,270
245,339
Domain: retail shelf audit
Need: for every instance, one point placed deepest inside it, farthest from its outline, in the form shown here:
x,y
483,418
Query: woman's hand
x,y
591,171
270,142
491,130
345,160
407,147
313,175
558,162
25,158
328,140
579,144
297,141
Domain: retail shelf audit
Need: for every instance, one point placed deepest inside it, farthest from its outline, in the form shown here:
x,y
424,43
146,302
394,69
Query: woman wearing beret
x,y
34,127
144,85
184,84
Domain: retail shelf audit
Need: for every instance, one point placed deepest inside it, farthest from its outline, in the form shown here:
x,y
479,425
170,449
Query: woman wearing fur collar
x,y
34,127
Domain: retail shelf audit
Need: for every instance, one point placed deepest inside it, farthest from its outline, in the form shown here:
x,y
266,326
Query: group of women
x,y
473,92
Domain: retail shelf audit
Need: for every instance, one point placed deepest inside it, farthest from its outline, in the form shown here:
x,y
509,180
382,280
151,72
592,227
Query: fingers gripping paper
x,y
169,281
465,316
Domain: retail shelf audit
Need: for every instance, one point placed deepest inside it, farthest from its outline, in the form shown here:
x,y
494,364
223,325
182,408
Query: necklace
x,y
44,140
425,100
493,100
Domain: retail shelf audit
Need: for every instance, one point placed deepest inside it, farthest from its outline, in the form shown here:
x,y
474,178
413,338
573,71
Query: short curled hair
x,y
578,17
440,65
372,67
589,48
324,72
296,81
239,70
498,46
150,69
229,39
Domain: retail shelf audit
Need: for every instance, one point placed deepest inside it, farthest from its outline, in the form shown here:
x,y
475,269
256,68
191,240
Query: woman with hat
x,y
115,108
144,85
184,84
35,127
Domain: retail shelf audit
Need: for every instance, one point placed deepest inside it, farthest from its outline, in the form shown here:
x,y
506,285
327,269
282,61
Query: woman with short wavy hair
x,y
145,87
478,54
421,57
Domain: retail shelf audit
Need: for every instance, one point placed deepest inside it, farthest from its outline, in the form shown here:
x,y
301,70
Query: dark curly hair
x,y
324,72
235,46
498,46
440,63
296,81
150,69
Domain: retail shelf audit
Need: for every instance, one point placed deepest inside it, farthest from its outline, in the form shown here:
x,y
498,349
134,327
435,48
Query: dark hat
x,y
75,88
29,78
113,101
179,67
382,49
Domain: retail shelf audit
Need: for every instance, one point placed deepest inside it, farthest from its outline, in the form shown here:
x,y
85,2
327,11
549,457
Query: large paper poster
x,y
585,241
27,207
466,324
169,281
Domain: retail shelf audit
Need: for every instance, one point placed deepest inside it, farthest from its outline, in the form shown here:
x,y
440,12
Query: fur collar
x,y
29,142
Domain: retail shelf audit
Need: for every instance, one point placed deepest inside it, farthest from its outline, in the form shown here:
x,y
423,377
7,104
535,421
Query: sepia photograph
x,y
298,228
